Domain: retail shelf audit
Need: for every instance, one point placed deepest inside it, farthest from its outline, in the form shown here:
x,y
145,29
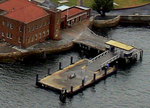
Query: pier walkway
x,y
80,74
91,40
84,73
101,61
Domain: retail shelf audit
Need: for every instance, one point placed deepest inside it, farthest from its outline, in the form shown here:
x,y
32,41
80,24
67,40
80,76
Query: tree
x,y
102,6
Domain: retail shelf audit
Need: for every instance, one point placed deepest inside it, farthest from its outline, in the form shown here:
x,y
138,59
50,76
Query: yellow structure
x,y
119,45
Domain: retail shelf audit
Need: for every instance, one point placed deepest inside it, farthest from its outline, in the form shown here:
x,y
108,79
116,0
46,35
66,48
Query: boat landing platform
x,y
74,78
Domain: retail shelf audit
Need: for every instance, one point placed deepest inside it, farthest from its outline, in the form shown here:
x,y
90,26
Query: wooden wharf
x,y
77,76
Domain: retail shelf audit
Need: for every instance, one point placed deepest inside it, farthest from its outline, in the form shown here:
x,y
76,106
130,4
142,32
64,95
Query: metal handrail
x,y
110,60
95,58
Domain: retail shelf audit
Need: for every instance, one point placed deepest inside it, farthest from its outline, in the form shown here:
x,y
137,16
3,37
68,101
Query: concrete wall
x,y
135,19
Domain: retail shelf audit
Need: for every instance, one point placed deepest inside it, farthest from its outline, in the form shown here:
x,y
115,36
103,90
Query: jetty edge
x,y
84,73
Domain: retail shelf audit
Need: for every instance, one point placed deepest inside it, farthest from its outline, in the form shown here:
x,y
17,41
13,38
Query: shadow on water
x,y
18,80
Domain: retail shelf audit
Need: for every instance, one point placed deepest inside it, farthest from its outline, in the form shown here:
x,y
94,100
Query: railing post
x,y
49,71
94,77
71,89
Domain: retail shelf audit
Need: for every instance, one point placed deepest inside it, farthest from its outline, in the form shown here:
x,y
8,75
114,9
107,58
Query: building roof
x,y
22,10
119,45
63,1
39,1
71,12
82,7
49,4
63,7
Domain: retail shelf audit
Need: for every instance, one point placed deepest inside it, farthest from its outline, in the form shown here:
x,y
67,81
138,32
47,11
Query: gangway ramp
x,y
102,61
92,40
86,72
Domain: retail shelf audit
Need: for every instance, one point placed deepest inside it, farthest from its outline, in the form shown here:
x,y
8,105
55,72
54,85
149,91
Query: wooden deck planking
x,y
59,80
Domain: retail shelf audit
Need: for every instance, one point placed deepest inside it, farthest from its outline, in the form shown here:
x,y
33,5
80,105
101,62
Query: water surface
x,y
128,89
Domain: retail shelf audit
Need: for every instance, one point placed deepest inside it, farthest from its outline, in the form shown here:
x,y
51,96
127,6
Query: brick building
x,y
26,22
23,23
73,15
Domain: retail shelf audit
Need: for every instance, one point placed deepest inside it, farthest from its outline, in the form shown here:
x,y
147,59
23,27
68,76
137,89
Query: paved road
x,y
142,10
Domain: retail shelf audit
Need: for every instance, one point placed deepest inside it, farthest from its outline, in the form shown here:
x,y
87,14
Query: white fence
x,y
99,56
109,61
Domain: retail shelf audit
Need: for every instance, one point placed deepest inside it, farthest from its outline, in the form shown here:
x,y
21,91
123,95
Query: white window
x,y
80,18
56,35
32,28
36,36
43,33
28,40
48,22
44,23
20,29
40,25
47,32
10,35
57,20
36,26
56,32
19,39
7,35
11,26
40,35
8,24
32,39
3,34
28,29
88,14
3,22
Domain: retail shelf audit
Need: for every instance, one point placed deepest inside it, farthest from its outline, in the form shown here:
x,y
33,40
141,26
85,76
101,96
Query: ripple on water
x,y
128,89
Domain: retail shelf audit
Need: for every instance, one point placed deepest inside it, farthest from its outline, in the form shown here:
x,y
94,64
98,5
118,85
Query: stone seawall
x,y
21,56
129,19
113,21
145,19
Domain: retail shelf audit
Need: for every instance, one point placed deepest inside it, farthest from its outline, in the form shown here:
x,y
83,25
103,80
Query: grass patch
x,y
130,3
121,3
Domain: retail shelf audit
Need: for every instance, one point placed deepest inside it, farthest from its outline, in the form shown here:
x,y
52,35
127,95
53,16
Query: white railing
x,y
109,61
99,56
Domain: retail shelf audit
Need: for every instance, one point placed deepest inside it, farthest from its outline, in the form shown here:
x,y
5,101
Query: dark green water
x,y
130,88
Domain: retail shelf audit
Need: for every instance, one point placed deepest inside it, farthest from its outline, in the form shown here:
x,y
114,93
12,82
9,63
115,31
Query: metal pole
x,y
71,89
37,79
60,66
94,77
82,82
116,65
71,61
49,71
